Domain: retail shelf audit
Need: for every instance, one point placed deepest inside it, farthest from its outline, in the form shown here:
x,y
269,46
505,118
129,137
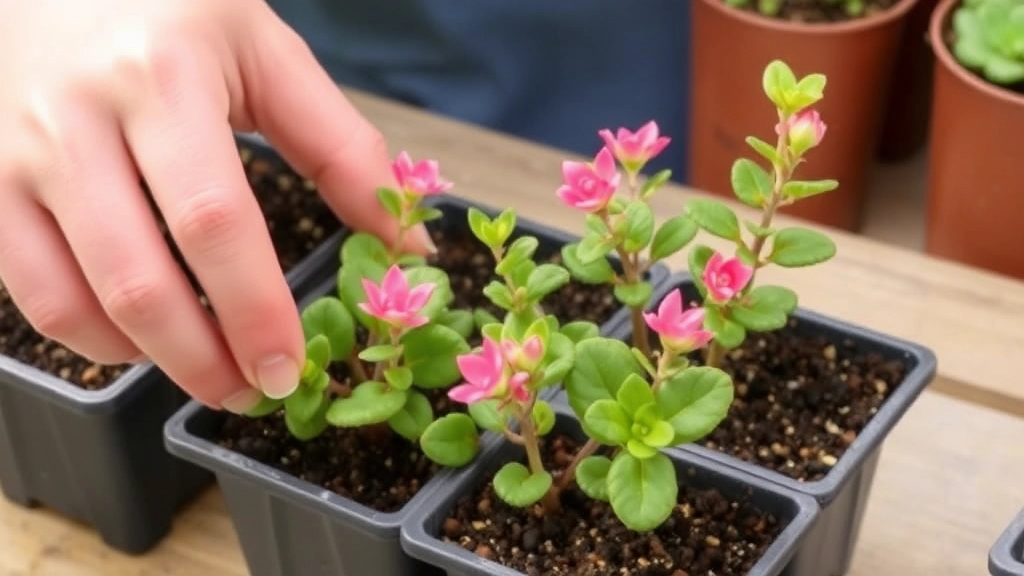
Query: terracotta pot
x,y
732,48
908,108
975,198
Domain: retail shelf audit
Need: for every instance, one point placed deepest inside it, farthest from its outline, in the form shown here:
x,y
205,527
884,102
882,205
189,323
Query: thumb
x,y
294,103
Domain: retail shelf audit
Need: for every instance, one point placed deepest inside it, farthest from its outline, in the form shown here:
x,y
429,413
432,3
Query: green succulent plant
x,y
852,8
989,39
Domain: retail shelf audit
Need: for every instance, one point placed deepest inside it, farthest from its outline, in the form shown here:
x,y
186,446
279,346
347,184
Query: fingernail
x,y
424,239
242,401
278,376
140,359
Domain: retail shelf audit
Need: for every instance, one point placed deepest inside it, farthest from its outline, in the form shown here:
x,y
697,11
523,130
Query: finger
x,y
95,195
45,283
297,106
186,151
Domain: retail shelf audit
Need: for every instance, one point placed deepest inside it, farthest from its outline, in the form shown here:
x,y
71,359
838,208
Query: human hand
x,y
96,95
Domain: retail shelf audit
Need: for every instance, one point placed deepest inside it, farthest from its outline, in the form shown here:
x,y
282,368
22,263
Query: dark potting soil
x,y
800,400
821,11
708,534
298,221
470,266
371,465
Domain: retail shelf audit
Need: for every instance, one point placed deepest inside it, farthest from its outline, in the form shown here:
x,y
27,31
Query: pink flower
x,y
526,356
725,278
634,149
805,130
680,331
486,376
393,301
589,186
420,178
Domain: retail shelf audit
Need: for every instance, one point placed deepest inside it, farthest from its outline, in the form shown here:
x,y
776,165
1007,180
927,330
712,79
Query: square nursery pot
x,y
452,232
97,456
1006,558
843,490
289,526
421,535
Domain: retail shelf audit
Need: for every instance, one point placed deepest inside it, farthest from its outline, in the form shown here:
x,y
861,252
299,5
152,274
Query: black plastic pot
x,y
420,536
287,526
843,493
1006,558
98,456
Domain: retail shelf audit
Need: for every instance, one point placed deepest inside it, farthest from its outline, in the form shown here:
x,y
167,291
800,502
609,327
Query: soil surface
x,y
707,534
800,401
298,221
470,267
372,465
821,11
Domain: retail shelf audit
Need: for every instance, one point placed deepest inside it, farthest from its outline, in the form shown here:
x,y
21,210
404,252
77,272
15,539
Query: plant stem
x,y
570,473
513,437
713,359
666,359
356,367
631,270
342,390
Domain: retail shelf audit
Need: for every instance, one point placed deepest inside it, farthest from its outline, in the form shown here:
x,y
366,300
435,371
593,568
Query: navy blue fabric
x,y
553,71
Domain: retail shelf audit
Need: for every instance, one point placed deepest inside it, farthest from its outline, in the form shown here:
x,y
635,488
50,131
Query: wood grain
x,y
948,480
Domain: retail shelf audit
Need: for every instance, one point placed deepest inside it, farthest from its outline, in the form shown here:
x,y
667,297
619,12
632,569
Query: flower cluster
x,y
392,334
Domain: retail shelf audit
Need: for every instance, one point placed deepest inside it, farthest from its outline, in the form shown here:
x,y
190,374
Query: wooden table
x,y
949,478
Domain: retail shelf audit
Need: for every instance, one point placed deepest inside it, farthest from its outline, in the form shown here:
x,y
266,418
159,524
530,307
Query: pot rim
x,y
942,14
814,29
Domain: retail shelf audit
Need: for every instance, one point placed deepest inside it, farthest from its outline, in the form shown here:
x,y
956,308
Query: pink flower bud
x,y
634,149
805,130
394,303
725,278
680,331
589,186
420,178
526,356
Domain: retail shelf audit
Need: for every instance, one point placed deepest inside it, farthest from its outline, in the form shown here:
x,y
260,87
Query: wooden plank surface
x,y
947,482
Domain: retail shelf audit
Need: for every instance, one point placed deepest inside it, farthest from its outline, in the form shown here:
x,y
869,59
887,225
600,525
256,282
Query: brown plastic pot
x,y
975,195
909,104
732,48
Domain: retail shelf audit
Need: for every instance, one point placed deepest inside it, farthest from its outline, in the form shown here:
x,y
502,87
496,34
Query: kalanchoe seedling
x,y
852,8
989,39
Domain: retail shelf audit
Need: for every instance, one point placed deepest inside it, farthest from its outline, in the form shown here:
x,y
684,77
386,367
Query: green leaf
x,y
654,183
399,377
634,295
461,321
728,333
778,80
423,214
303,403
499,295
265,407
799,189
544,280
413,419
752,185
592,477
812,87
327,316
766,150
593,248
482,317
504,225
430,352
644,361
694,401
391,201
634,393
451,440
517,487
480,226
714,217
559,359
305,430
442,295
486,415
380,353
765,308
642,492
602,365
580,330
759,231
795,247
607,422
698,259
543,417
370,403
599,271
639,226
318,351
673,234
638,449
